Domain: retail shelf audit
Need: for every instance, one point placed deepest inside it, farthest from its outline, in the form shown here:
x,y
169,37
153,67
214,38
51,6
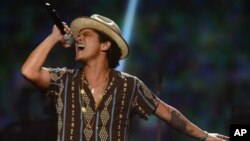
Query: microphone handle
x,y
55,17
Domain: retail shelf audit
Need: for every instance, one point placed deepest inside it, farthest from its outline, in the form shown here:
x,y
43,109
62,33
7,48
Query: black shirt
x,y
79,120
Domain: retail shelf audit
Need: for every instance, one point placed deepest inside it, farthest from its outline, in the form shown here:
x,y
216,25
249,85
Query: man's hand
x,y
59,37
68,32
216,137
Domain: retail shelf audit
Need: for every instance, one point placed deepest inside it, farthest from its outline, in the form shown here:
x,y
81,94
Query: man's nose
x,y
79,39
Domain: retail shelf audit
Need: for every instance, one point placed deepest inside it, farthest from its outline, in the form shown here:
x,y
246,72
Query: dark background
x,y
198,49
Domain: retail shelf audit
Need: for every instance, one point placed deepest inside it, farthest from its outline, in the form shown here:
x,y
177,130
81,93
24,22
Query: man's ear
x,y
106,45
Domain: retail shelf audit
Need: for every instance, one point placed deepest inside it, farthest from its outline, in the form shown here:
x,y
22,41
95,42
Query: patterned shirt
x,y
79,120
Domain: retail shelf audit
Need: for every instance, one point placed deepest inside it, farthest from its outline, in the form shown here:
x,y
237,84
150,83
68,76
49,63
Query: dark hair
x,y
113,53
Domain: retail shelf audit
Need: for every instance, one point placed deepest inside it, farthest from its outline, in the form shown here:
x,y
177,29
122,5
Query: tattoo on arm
x,y
182,124
175,119
177,122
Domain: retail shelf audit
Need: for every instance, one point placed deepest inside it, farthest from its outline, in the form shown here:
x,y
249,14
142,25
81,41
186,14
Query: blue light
x,y
127,27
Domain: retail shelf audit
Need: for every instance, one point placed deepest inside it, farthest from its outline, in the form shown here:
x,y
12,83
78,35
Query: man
x,y
96,102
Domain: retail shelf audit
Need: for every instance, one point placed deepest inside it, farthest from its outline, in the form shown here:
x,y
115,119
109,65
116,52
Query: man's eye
x,y
86,34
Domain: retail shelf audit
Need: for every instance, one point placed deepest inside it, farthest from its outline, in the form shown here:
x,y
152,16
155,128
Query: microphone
x,y
55,17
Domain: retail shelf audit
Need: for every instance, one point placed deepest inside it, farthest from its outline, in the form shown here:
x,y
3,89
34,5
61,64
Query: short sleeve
x,y
145,102
56,80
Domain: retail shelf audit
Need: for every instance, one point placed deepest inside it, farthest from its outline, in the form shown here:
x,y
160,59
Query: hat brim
x,y
85,22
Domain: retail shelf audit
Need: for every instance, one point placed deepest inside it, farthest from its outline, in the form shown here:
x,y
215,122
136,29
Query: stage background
x,y
199,50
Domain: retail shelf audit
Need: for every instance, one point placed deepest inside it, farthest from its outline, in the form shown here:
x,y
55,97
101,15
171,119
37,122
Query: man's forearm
x,y
179,122
175,119
32,68
36,59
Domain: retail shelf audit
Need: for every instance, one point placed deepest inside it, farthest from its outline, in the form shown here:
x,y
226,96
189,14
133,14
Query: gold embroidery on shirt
x,y
88,132
105,117
147,92
59,107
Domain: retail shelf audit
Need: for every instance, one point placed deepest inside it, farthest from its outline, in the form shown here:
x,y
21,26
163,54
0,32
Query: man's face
x,y
88,45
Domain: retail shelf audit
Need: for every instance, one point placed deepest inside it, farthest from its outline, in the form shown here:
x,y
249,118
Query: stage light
x,y
128,26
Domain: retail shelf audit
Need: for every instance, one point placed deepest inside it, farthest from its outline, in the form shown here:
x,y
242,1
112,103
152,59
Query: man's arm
x,y
32,68
175,119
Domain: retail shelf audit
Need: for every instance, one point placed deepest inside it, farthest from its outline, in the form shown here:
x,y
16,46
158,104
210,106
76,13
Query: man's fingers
x,y
222,137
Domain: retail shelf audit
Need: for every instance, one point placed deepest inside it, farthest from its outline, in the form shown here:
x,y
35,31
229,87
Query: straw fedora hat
x,y
104,25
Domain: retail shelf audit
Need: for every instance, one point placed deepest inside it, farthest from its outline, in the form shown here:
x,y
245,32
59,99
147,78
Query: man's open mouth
x,y
80,47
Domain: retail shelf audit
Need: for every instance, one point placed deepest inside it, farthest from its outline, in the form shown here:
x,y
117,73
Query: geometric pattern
x,y
108,117
88,133
87,118
104,118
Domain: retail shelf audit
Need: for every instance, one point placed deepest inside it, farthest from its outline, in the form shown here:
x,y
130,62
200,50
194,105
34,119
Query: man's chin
x,y
79,59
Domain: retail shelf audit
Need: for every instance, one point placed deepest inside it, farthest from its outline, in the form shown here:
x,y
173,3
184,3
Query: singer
x,y
97,102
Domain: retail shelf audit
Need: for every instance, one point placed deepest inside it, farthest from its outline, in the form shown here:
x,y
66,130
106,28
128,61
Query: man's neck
x,y
96,72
